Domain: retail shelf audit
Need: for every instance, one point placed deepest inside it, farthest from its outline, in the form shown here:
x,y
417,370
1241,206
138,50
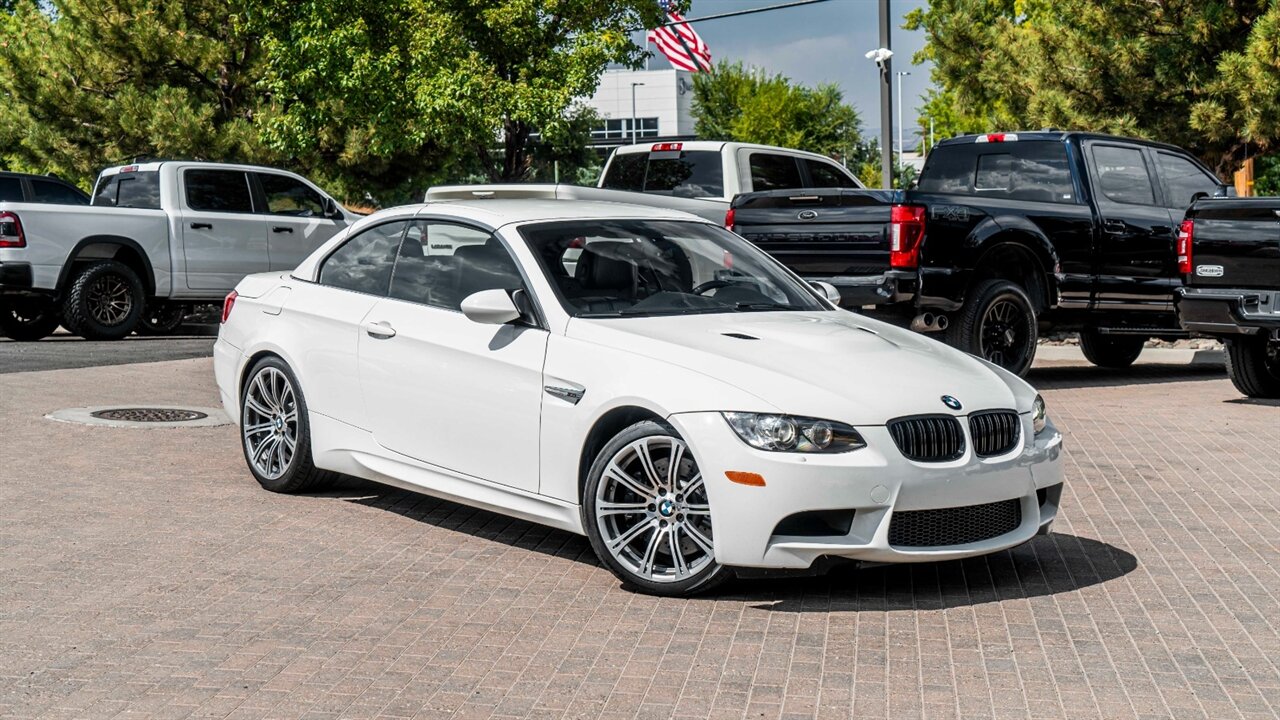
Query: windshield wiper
x,y
762,306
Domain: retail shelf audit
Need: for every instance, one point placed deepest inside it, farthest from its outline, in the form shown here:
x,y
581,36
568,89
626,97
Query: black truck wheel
x,y
1254,366
105,301
1111,351
28,319
998,324
162,318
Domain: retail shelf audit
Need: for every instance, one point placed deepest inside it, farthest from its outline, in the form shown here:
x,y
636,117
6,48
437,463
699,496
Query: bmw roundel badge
x,y
951,402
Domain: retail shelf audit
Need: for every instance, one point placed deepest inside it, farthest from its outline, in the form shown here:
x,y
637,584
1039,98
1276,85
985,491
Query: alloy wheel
x,y
109,300
1003,333
270,422
653,513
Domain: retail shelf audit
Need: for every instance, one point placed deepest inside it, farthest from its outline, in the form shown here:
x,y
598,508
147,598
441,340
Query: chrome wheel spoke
x,y
612,508
651,551
698,538
696,509
618,475
673,546
626,537
646,462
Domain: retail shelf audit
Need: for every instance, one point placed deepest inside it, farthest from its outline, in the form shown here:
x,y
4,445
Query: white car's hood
x,y
833,365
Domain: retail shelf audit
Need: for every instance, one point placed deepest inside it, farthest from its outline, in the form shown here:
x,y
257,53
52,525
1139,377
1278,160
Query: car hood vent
x,y
740,336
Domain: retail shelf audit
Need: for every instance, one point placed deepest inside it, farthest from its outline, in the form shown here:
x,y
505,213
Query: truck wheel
x,y
28,319
1254,366
104,302
998,324
162,318
1111,351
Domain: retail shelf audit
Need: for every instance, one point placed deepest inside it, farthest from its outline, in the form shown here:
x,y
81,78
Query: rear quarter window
x,y
1032,171
131,190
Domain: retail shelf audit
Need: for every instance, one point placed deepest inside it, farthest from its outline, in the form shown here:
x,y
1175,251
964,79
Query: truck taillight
x,y
666,147
11,231
227,304
1186,233
906,232
728,220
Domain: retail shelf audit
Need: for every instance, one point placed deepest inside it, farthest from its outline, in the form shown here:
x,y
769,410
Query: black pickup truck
x,y
1229,258
1005,236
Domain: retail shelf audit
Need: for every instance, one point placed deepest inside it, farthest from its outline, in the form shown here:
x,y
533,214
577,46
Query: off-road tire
x,y
1254,366
28,319
966,329
1111,351
78,309
708,577
300,475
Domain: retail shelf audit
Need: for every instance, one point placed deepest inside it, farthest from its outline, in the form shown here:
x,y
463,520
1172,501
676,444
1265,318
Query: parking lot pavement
x,y
143,572
65,351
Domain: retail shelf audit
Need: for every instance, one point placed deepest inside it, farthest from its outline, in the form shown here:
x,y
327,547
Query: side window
x,y
363,263
288,196
1183,179
1121,175
47,191
440,264
11,189
218,190
825,175
774,172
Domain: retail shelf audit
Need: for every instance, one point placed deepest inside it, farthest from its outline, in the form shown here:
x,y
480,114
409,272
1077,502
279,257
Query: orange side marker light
x,y
745,478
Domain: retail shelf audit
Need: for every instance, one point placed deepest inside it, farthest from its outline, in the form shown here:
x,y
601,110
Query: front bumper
x,y
1229,311
864,489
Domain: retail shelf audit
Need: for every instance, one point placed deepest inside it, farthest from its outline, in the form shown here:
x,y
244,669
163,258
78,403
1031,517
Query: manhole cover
x,y
149,415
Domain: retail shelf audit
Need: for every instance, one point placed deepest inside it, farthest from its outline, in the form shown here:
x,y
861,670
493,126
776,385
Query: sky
x,y
823,42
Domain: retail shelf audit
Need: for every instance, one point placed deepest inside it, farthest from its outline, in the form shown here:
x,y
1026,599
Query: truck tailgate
x,y
1236,243
819,233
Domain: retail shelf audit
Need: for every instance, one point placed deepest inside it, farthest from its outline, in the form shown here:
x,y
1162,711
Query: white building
x,y
663,100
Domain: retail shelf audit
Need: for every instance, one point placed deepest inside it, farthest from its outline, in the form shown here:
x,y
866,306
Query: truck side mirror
x,y
331,210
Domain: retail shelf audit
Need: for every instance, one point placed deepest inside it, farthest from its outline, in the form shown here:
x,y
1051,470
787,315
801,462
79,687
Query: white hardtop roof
x,y
155,165
711,145
498,212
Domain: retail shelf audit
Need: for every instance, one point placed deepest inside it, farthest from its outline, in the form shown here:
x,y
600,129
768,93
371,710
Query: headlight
x,y
787,433
1039,416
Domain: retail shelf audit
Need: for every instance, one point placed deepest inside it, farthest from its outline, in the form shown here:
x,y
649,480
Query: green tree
x,y
467,81
743,104
1133,68
93,83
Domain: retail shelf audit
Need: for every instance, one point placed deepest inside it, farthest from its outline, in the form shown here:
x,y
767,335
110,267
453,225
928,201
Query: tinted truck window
x,y
1183,179
1036,171
11,190
691,174
48,191
129,189
218,190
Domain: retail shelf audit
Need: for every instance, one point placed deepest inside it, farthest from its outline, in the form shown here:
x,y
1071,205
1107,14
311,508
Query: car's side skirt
x,y
344,448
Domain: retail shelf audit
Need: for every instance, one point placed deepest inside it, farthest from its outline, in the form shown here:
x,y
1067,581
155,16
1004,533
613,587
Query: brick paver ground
x,y
144,574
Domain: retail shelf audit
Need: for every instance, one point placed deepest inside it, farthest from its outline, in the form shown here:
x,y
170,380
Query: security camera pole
x,y
886,98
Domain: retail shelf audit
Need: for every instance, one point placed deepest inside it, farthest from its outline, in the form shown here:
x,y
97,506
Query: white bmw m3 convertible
x,y
642,377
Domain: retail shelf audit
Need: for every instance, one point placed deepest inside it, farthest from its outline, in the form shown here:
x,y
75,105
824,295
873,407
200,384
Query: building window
x,y
620,129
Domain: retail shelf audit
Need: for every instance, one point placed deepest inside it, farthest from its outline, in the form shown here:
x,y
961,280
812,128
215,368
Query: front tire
x,y
105,301
647,514
998,324
274,430
1111,351
28,319
1254,366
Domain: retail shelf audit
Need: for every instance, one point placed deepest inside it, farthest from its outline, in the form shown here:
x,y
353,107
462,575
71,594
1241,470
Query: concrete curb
x,y
1150,356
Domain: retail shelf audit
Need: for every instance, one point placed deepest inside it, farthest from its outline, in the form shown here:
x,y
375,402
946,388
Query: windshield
x,y
618,268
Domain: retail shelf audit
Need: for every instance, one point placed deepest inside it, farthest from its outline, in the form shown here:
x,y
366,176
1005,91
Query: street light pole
x,y
901,148
886,98
633,111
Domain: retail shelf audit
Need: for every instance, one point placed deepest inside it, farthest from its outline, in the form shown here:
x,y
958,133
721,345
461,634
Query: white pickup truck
x,y
699,177
157,237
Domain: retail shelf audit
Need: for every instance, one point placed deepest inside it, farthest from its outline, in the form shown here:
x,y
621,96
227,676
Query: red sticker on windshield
x,y
728,260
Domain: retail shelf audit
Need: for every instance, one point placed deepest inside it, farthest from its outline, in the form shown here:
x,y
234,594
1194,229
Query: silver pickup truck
x,y
157,238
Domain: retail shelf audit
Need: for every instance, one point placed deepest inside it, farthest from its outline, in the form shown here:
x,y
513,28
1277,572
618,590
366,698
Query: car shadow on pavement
x,y
1047,565
1264,402
1062,378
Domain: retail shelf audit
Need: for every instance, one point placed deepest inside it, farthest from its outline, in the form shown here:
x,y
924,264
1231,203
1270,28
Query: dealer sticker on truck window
x,y
1209,270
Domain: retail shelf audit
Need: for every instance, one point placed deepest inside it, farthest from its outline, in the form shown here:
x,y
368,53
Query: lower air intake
x,y
954,526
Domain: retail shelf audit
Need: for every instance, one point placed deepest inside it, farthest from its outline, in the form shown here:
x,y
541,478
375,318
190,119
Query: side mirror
x,y
331,210
490,307
828,291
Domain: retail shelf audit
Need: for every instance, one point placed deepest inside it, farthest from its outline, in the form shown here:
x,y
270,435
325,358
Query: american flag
x,y
679,43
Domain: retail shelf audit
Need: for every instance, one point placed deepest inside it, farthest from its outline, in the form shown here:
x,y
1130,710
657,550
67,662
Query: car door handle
x,y
281,229
1115,226
381,330
201,226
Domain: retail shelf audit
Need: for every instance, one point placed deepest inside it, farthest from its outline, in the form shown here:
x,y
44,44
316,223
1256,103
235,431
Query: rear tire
x,y
1111,351
275,432
105,301
1254,366
648,522
27,319
998,324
